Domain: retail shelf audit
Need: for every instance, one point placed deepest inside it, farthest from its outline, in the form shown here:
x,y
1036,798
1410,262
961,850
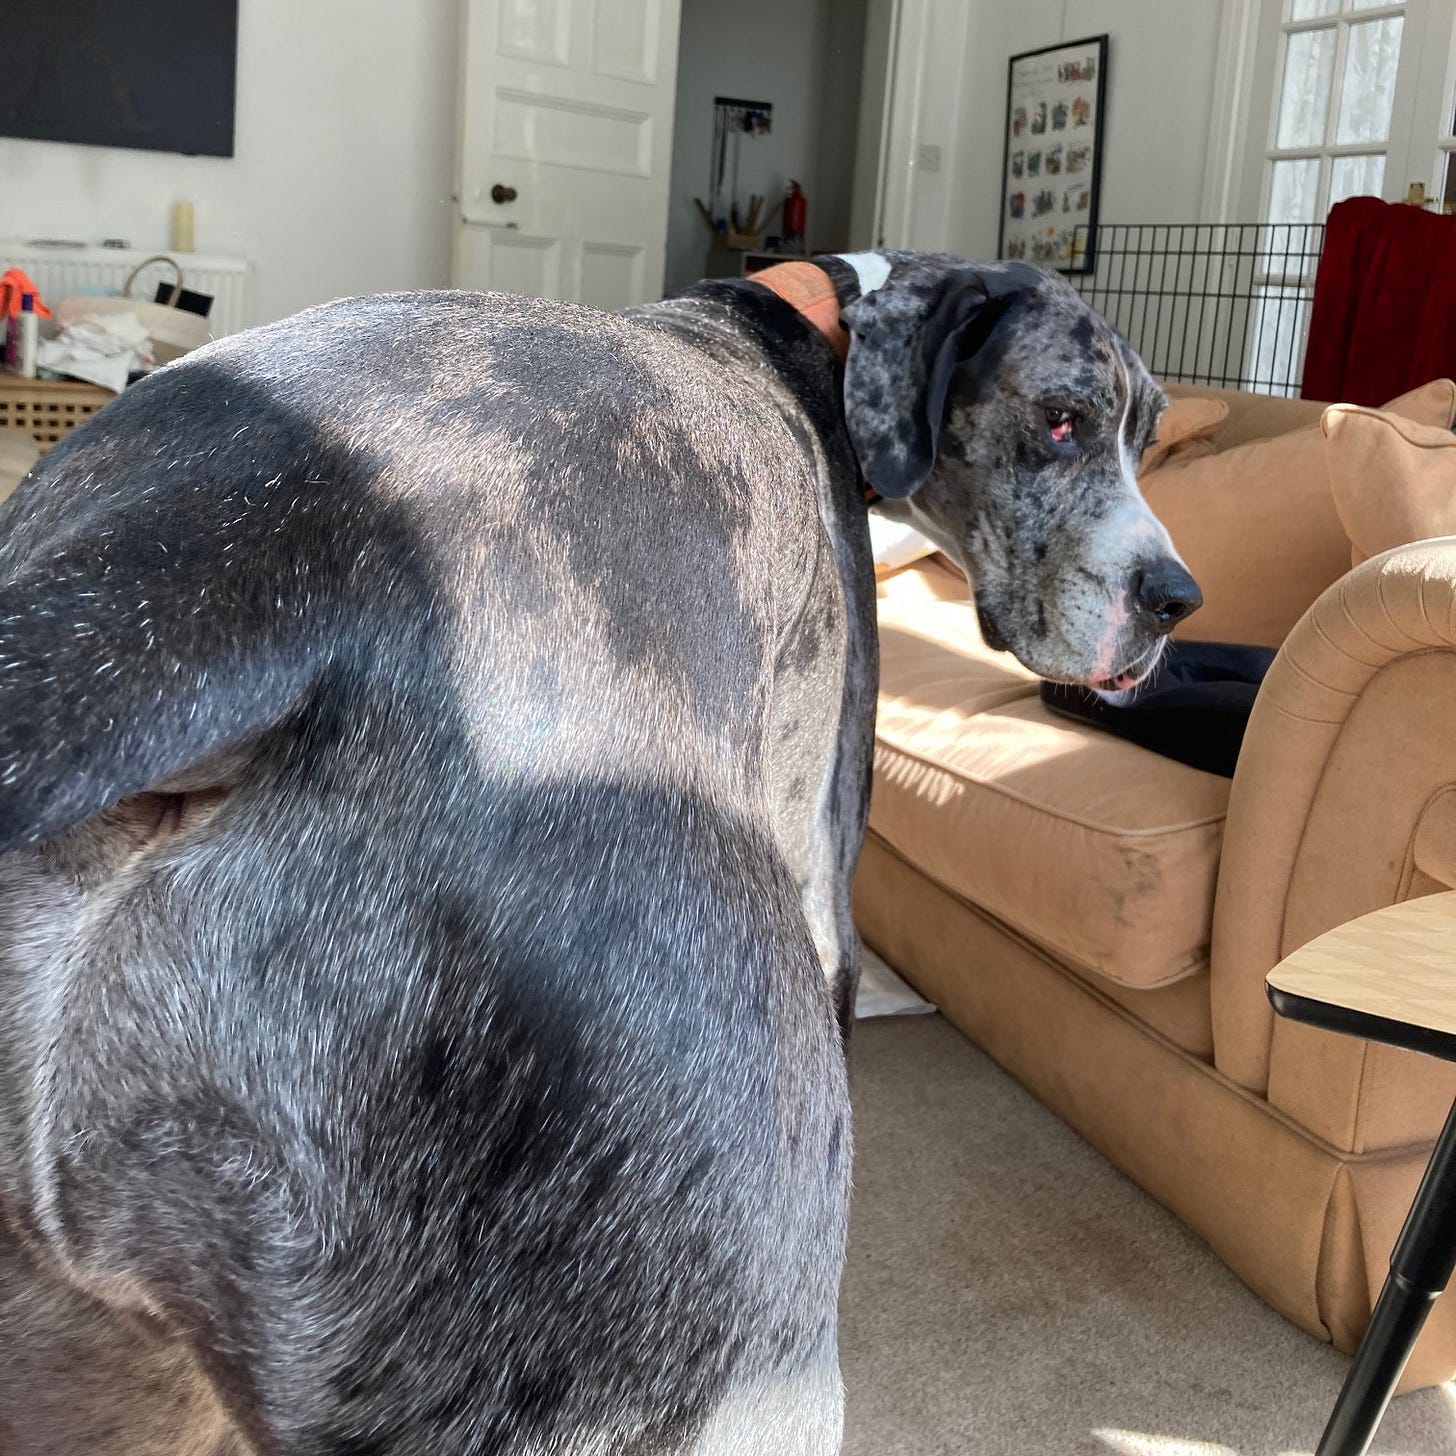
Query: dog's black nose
x,y
1165,594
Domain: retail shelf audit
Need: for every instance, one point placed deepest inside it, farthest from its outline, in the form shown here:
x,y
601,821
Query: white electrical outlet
x,y
928,158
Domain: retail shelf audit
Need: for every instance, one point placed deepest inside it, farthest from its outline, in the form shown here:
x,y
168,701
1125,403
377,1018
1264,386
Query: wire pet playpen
x,y
1209,303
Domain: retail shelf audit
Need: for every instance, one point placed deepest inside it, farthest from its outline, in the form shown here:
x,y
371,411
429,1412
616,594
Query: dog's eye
x,y
1061,425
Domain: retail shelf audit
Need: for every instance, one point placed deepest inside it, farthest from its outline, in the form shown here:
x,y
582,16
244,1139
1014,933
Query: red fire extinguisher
x,y
796,214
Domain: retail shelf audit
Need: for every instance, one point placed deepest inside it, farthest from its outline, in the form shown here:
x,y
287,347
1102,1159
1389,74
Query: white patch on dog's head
x,y
872,270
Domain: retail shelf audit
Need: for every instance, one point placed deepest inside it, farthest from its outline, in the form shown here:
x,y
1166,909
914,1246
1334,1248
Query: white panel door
x,y
566,148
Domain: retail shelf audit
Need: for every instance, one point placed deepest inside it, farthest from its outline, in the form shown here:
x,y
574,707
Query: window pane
x,y
1276,340
1310,9
1293,190
1304,97
1356,177
1289,251
1371,57
1372,4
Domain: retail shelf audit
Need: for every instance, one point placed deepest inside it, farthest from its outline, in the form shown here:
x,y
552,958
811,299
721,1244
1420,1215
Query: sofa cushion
x,y
1257,525
928,627
1393,481
1102,852
18,454
1251,416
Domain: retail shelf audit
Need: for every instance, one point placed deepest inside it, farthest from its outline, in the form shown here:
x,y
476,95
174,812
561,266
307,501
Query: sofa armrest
x,y
1344,801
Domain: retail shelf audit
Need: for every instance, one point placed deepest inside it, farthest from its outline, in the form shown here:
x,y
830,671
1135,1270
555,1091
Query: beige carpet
x,y
1008,1292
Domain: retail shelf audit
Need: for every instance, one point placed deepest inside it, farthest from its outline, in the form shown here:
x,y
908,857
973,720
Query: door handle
x,y
501,193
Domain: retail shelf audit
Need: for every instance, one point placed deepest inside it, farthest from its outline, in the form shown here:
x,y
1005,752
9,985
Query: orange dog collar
x,y
809,289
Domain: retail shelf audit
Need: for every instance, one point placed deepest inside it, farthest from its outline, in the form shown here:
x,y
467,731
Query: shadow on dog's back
x,y
402,1004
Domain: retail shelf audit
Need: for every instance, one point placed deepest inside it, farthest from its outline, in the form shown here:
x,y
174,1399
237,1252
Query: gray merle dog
x,y
434,748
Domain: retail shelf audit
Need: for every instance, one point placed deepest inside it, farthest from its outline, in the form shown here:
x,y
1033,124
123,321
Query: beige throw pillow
x,y
1393,480
1431,404
1185,431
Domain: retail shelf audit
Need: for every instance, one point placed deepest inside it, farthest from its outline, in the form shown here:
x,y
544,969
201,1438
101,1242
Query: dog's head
x,y
1003,418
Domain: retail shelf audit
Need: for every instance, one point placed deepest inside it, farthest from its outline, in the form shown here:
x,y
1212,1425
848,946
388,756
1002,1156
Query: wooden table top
x,y
1390,975
13,383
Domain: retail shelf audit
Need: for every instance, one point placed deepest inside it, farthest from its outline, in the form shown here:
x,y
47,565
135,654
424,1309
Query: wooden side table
x,y
47,409
1389,976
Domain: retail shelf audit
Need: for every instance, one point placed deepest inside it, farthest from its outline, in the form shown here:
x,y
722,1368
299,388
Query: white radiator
x,y
61,272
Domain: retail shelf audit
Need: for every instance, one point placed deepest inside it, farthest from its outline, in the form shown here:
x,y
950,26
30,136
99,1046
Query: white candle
x,y
183,234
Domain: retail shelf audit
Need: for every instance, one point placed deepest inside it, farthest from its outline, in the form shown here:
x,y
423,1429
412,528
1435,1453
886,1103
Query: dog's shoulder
x,y
739,322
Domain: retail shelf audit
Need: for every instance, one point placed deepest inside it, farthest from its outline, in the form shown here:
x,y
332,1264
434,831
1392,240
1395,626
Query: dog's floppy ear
x,y
99,700
906,339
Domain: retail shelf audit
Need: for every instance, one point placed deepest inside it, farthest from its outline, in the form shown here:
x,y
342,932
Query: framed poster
x,y
1052,166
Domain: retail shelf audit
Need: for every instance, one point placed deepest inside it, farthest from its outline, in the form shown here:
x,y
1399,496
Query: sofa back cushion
x,y
1249,416
1258,528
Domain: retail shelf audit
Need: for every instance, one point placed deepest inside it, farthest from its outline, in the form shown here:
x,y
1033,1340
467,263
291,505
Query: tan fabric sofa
x,y
1100,919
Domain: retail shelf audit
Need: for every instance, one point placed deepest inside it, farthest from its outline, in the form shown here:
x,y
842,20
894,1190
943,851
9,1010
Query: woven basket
x,y
47,409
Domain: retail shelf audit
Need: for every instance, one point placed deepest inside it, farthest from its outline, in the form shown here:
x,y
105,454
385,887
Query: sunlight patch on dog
x,y
593,711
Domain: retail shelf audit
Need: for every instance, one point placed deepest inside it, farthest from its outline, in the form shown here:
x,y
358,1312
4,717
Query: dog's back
x,y
404,1001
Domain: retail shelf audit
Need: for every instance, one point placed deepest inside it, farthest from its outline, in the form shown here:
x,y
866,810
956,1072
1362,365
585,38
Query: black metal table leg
x,y
1420,1268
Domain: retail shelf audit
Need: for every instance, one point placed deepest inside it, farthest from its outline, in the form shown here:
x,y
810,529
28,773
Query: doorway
x,y
586,128
822,68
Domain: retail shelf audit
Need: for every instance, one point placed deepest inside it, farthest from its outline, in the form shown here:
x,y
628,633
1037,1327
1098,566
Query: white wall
x,y
344,158
1161,64
803,56
870,131
841,56
346,113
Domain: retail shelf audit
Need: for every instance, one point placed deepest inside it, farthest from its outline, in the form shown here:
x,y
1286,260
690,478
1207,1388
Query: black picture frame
x,y
1049,205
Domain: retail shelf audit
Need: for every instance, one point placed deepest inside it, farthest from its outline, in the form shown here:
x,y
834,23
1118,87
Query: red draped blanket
x,y
1384,318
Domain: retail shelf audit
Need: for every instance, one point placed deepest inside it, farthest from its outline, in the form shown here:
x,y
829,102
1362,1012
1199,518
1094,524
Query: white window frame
x,y
1237,175
1244,85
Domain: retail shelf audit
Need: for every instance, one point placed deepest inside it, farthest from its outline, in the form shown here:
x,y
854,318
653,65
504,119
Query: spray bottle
x,y
26,327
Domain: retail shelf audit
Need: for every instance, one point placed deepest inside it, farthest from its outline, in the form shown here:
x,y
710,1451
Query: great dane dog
x,y
434,748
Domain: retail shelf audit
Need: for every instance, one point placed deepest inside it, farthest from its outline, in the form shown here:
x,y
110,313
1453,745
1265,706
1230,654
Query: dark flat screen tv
x,y
160,75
